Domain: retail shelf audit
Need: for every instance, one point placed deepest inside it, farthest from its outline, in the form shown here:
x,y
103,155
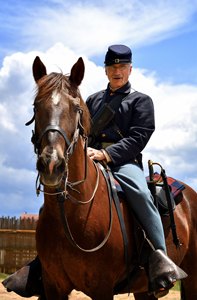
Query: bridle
x,y
61,194
70,147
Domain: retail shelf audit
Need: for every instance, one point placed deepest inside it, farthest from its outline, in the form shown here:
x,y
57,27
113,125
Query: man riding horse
x,y
127,123
120,144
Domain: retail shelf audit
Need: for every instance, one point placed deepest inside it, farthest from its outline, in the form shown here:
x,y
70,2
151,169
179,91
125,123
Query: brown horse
x,y
60,143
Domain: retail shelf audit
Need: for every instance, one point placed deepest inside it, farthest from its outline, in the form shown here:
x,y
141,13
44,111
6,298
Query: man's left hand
x,y
95,154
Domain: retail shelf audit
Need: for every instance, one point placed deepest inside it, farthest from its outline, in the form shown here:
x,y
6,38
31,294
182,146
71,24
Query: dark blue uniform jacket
x,y
135,119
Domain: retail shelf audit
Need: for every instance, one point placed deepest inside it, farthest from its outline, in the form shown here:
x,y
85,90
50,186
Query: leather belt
x,y
105,145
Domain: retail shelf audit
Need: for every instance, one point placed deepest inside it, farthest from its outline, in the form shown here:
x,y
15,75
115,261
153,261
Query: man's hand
x,y
95,154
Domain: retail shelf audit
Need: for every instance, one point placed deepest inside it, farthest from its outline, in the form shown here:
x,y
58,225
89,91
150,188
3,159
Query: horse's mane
x,y
60,82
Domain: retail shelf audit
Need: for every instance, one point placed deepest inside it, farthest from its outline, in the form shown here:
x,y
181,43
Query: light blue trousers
x,y
133,182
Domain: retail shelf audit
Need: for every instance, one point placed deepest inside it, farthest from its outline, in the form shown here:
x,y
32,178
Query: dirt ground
x,y
4,295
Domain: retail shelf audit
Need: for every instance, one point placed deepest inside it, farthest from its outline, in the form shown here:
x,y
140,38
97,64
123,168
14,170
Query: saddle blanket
x,y
175,186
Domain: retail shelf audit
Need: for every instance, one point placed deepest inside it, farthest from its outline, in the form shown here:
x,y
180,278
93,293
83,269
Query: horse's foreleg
x,y
103,297
56,285
144,296
55,293
103,292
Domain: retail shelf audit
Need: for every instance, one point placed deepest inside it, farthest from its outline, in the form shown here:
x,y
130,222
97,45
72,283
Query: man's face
x,y
118,74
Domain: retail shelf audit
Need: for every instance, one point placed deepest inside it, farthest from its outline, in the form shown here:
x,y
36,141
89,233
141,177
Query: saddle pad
x,y
175,186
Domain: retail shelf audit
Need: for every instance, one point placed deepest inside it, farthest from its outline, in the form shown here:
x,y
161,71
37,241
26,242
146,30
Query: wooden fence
x,y
17,243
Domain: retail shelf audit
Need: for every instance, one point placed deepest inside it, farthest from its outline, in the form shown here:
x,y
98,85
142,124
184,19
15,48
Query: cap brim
x,y
117,61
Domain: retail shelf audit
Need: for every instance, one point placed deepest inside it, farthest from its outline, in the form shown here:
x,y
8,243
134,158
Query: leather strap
x,y
172,220
61,200
116,100
114,103
54,128
122,223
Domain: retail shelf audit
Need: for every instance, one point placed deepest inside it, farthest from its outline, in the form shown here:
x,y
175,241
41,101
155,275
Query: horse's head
x,y
58,109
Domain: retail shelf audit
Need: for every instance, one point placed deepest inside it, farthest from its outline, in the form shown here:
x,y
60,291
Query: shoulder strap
x,y
104,116
118,99
113,104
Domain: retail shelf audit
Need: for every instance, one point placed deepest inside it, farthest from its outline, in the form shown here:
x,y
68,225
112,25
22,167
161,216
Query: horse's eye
x,y
76,108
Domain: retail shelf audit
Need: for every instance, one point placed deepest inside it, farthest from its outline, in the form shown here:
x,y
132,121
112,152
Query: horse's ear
x,y
39,69
77,72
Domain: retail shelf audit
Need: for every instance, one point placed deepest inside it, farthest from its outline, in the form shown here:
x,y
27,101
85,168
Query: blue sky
x,y
168,48
163,39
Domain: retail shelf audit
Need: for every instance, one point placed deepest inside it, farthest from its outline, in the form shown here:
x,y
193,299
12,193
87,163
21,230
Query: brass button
x,y
103,135
111,94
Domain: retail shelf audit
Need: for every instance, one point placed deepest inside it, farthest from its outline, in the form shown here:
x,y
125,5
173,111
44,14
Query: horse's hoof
x,y
160,293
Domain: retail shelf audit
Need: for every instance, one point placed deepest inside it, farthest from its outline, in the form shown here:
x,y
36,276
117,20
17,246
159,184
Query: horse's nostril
x,y
50,167
61,166
40,164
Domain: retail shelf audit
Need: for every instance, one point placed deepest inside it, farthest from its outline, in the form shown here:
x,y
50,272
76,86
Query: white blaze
x,y
55,155
56,97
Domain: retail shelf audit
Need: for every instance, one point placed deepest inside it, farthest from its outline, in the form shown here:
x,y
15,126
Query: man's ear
x,y
106,70
130,69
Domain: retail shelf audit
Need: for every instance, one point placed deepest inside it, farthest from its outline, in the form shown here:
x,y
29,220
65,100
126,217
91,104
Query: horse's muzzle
x,y
51,170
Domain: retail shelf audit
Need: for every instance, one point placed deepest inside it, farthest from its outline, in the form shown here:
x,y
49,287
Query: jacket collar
x,y
125,89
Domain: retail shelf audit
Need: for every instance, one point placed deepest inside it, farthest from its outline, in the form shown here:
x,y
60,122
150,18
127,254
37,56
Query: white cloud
x,y
90,27
5,121
173,144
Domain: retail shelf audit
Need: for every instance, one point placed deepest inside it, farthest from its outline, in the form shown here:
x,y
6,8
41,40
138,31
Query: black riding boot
x,y
27,281
162,273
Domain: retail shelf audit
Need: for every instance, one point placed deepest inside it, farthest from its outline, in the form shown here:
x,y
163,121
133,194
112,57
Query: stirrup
x,y
160,293
27,281
163,272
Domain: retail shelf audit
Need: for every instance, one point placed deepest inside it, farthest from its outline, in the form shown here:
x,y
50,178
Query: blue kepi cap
x,y
118,54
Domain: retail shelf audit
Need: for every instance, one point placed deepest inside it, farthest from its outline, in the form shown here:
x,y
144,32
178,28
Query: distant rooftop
x,y
29,216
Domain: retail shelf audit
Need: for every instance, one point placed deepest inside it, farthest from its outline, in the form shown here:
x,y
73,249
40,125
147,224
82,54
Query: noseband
x,y
54,128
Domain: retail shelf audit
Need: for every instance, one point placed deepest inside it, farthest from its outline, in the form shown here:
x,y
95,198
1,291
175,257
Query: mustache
x,y
117,76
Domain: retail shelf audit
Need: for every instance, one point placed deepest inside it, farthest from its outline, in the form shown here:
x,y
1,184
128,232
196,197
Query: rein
x,y
61,200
